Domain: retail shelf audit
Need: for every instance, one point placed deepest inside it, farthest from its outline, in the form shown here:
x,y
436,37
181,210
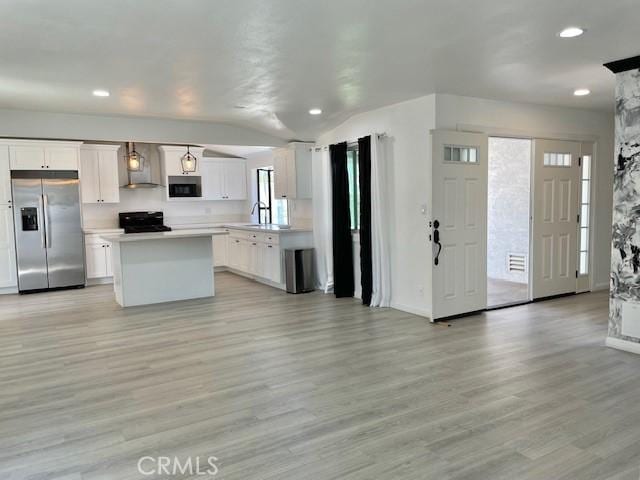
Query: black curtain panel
x,y
364,165
343,281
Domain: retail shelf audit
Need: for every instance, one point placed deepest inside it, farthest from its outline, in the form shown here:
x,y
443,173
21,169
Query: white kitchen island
x,y
162,267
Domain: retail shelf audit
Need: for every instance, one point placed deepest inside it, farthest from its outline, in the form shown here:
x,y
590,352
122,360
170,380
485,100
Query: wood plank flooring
x,y
281,386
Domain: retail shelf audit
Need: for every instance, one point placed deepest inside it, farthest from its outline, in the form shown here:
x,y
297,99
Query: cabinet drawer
x,y
272,238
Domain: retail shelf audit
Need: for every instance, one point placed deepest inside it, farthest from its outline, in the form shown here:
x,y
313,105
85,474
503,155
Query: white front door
x,y
556,177
460,214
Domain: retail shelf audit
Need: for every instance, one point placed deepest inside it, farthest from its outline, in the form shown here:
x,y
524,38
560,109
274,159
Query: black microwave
x,y
184,190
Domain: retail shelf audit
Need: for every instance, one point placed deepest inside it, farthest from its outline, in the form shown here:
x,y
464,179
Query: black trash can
x,y
299,274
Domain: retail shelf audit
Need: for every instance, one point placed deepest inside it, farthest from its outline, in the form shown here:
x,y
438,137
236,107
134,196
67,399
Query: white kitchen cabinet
x,y
62,157
27,157
96,260
224,179
5,176
272,261
239,254
220,250
212,180
235,179
97,257
99,180
35,155
256,259
171,160
8,273
292,171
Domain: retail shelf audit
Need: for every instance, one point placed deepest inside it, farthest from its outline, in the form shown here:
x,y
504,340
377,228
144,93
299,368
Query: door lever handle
x,y
43,238
47,224
436,240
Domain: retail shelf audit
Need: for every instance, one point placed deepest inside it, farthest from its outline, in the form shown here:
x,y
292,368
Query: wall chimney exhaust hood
x,y
139,167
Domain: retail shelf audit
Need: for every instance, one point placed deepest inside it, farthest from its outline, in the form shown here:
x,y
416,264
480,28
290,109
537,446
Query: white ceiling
x,y
199,59
233,150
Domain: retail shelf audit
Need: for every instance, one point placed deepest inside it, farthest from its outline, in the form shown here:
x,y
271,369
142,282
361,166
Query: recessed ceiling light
x,y
571,32
315,111
581,92
100,93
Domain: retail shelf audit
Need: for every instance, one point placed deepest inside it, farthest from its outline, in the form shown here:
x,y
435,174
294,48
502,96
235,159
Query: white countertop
x,y
99,230
137,237
266,228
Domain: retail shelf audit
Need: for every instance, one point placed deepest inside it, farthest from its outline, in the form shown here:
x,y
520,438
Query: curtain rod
x,y
351,142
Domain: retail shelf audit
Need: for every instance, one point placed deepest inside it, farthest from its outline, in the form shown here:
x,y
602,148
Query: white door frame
x,y
594,140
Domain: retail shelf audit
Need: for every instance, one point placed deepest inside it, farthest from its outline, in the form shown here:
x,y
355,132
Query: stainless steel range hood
x,y
143,178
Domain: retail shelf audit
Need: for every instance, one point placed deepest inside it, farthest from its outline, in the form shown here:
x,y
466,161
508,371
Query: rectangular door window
x,y
585,207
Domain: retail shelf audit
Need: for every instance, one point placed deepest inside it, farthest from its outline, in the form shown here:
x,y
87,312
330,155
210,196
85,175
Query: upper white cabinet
x,y
5,176
224,179
36,155
171,160
292,170
8,273
99,181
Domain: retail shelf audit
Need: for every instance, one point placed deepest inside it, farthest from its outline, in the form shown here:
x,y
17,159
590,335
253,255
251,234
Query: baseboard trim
x,y
99,281
600,286
625,345
8,290
414,311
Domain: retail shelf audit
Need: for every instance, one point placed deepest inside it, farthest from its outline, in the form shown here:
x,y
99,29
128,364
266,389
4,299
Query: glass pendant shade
x,y
189,162
135,161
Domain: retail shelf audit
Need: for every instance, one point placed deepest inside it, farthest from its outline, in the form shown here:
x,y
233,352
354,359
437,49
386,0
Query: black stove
x,y
142,222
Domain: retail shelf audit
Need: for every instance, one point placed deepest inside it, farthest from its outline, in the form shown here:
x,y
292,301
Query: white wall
x,y
407,125
46,125
495,117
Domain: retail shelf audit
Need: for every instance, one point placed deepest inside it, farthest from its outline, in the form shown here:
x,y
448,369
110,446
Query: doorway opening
x,y
508,221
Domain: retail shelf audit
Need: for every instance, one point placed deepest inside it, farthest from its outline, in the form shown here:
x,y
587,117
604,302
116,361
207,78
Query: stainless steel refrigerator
x,y
49,242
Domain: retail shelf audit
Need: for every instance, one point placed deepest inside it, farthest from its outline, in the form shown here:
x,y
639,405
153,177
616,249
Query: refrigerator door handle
x,y
43,238
45,205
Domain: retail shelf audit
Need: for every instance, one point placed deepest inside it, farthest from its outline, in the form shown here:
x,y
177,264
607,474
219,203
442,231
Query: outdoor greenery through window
x,y
354,188
270,209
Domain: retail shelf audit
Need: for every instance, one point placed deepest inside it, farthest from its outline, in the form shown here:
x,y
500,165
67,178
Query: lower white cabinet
x,y
8,273
220,250
98,257
255,254
272,263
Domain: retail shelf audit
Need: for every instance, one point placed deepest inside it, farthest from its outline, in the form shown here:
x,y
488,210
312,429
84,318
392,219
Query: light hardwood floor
x,y
281,386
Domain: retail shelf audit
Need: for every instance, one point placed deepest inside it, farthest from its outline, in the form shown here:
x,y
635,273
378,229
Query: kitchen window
x,y
270,209
353,173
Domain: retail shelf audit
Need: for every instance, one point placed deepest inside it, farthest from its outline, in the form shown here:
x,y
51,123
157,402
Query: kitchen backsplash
x,y
106,215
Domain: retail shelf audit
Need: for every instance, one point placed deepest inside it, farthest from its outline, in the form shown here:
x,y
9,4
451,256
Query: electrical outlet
x,y
421,289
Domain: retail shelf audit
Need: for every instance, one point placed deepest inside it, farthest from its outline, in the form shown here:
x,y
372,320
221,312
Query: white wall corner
x,y
625,345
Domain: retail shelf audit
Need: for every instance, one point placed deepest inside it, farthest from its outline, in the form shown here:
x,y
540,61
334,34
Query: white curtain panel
x,y
322,226
381,267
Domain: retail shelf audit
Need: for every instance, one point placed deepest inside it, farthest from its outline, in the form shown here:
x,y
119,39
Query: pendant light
x,y
135,161
189,162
